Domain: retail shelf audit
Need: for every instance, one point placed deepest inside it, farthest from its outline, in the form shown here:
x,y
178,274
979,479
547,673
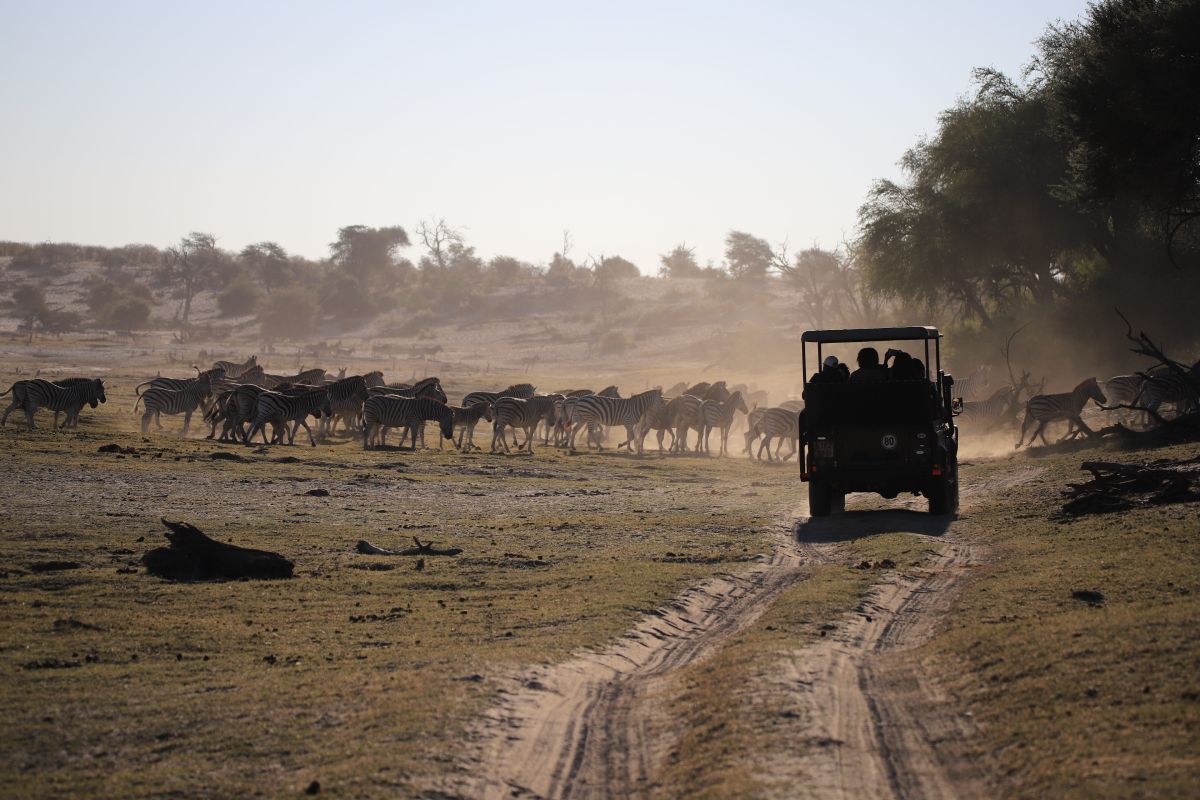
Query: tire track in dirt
x,y
581,729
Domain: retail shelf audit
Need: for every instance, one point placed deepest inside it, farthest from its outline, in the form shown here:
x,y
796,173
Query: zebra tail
x,y
9,389
136,404
138,389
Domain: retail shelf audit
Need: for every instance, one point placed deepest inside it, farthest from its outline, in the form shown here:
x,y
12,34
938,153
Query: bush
x,y
240,297
123,305
125,314
288,314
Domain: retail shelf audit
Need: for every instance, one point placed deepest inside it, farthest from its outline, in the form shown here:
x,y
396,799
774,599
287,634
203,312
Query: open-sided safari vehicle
x,y
895,434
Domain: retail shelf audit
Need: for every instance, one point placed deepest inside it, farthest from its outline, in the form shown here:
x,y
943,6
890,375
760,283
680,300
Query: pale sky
x,y
636,126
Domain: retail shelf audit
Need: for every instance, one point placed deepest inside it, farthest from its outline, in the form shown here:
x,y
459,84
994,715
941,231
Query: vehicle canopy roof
x,y
849,335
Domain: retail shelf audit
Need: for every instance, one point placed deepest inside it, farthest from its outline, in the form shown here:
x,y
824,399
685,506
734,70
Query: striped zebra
x,y
213,375
430,388
792,405
719,414
971,388
999,408
346,398
523,391
311,377
518,413
158,400
609,411
658,419
465,420
753,431
698,390
782,424
236,407
382,411
235,370
36,393
718,393
1044,408
1179,389
685,415
280,409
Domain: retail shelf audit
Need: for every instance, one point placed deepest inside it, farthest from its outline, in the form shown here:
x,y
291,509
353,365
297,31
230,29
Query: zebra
x,y
998,408
719,414
970,387
718,392
524,391
753,431
1044,408
382,411
780,423
235,370
430,388
684,412
608,411
283,408
71,420
524,414
36,393
698,390
346,397
158,400
657,419
792,405
213,375
465,420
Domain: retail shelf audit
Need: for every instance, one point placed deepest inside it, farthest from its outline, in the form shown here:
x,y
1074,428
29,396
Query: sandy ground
x,y
584,728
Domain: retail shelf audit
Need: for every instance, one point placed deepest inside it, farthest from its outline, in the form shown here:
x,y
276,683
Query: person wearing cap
x,y
832,371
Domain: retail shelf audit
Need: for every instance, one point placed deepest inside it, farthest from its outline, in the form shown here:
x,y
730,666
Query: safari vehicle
x,y
886,437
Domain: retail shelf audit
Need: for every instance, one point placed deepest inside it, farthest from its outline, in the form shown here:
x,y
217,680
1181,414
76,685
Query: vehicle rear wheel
x,y
837,502
819,499
943,495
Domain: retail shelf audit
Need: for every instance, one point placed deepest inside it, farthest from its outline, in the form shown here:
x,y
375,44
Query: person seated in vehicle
x,y
832,371
918,369
901,367
869,369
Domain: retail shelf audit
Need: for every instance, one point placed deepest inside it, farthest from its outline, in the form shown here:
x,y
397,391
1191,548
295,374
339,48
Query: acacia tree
x,y
679,263
746,256
268,262
193,266
29,303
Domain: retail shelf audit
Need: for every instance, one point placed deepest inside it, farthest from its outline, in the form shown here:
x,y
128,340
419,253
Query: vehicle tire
x,y
819,499
837,502
941,496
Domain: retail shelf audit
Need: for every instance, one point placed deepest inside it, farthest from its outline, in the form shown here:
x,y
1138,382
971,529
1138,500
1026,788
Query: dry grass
x,y
121,684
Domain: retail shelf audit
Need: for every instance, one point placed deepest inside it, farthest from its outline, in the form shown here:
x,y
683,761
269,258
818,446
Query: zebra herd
x,y
240,401
1142,398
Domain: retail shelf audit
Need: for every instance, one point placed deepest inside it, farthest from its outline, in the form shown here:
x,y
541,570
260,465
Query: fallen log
x,y
193,556
422,549
1119,487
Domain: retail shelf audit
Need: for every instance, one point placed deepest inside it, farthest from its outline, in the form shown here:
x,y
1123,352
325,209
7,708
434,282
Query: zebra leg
x,y
311,441
1024,426
766,442
158,420
1041,431
146,421
187,421
30,410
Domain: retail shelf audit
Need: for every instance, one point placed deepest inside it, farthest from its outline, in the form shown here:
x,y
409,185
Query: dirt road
x,y
581,729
